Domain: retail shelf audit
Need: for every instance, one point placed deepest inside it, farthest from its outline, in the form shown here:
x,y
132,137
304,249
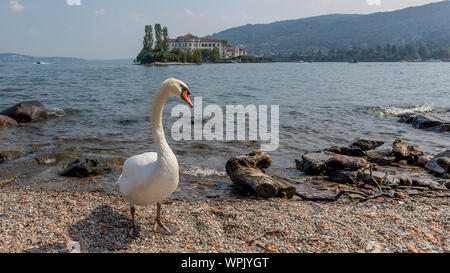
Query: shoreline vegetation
x,y
388,53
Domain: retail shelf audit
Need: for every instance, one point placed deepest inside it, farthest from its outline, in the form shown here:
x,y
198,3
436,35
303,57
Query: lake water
x,y
102,108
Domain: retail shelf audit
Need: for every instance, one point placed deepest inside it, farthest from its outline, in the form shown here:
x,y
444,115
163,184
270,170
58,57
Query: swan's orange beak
x,y
185,97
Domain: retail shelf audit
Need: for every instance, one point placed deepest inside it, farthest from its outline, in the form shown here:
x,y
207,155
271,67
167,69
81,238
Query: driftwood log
x,y
247,171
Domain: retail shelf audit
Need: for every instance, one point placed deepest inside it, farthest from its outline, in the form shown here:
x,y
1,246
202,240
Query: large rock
x,y
406,119
313,163
425,122
402,151
433,165
444,163
346,162
366,144
6,121
86,167
443,128
27,111
382,157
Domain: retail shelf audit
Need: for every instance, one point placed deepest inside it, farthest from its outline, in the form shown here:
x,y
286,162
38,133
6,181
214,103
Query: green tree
x,y
148,38
197,56
165,39
158,38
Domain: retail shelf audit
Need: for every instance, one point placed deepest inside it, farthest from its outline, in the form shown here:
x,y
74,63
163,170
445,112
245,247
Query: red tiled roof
x,y
187,36
172,40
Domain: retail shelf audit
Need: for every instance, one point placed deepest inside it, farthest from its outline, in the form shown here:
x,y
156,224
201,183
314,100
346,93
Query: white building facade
x,y
191,42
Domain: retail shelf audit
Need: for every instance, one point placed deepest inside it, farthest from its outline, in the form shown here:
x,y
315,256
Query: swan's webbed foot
x,y
166,229
160,227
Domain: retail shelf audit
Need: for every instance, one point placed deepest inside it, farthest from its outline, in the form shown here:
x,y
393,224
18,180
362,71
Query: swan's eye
x,y
184,88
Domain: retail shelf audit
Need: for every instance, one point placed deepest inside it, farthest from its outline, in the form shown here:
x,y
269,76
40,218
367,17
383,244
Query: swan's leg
x,y
133,229
159,226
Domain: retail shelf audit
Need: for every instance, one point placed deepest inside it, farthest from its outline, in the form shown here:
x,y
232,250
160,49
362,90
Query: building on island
x,y
191,42
232,51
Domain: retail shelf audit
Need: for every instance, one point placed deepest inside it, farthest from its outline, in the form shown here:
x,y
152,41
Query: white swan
x,y
150,178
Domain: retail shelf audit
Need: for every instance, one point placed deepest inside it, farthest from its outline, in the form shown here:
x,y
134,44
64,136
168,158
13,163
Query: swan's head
x,y
178,89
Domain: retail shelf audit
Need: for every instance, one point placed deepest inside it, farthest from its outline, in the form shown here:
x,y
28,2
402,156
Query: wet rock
x,y
86,167
365,144
443,128
433,165
6,121
425,122
346,162
6,156
27,111
406,119
313,163
444,163
402,151
382,157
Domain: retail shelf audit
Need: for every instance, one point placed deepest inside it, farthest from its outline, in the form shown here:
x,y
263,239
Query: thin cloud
x,y
374,2
100,12
73,2
15,6
188,12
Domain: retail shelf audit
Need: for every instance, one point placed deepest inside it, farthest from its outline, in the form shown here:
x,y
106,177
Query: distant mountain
x,y
11,57
429,23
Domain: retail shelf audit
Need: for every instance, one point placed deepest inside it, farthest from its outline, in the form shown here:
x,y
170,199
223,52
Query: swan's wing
x,y
134,164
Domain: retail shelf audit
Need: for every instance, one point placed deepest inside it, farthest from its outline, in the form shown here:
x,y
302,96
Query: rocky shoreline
x,y
383,200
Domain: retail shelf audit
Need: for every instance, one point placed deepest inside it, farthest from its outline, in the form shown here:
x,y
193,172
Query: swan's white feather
x,y
150,178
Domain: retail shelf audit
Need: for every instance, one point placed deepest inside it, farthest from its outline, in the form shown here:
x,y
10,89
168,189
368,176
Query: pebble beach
x,y
53,221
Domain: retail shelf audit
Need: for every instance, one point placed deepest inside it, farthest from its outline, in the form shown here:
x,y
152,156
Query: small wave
x,y
201,171
56,112
391,110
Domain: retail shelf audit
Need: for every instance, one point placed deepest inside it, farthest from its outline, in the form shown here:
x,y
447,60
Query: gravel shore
x,y
50,221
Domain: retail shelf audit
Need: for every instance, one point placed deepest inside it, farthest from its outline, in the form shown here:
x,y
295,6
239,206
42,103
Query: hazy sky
x,y
110,29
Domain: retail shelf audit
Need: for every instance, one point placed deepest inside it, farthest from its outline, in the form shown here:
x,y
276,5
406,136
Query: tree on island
x,y
148,38
157,50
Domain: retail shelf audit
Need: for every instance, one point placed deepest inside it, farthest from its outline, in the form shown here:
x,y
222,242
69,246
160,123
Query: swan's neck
x,y
156,122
